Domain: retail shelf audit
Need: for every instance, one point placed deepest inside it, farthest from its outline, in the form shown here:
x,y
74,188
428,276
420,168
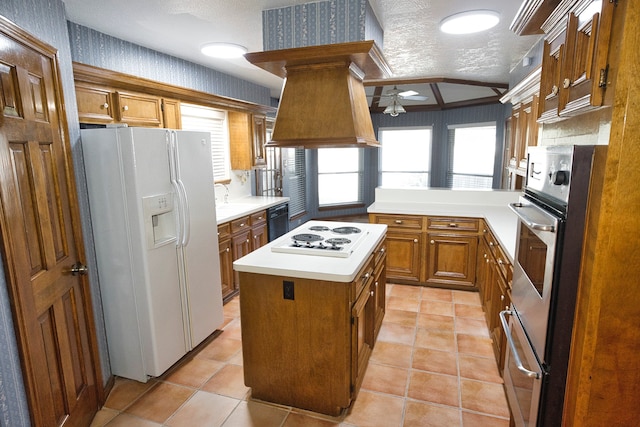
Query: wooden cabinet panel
x,y
138,109
226,268
455,224
95,105
171,115
247,136
362,333
404,256
240,246
259,236
452,260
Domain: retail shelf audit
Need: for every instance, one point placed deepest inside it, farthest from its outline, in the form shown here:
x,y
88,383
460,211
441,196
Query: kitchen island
x,y
310,317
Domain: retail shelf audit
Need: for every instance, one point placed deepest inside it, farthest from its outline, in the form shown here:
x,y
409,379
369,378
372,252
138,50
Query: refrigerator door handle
x,y
182,192
186,219
170,139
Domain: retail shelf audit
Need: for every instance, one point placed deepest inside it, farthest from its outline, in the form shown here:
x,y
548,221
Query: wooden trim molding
x,y
103,77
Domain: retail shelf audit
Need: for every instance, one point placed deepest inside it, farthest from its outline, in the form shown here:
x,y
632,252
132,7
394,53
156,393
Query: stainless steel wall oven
x,y
539,323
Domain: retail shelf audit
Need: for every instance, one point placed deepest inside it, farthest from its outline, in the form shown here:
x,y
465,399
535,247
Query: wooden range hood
x,y
323,102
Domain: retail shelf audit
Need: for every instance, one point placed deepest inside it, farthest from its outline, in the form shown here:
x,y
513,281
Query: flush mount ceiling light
x,y
472,21
223,50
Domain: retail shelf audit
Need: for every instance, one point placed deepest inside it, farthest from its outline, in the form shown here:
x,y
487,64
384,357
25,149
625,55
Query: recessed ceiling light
x,y
223,50
472,21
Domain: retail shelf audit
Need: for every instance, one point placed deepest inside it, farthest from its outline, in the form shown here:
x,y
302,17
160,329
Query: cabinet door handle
x,y
227,249
500,261
247,240
242,224
125,108
566,83
490,243
371,293
432,242
104,106
415,240
398,221
453,225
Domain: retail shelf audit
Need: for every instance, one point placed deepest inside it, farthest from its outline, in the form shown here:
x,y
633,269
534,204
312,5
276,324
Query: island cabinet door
x,y
452,260
363,316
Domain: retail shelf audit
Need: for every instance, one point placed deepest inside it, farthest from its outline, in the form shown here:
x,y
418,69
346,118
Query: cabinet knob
x,y
104,106
376,284
415,240
398,221
484,230
382,250
453,225
259,217
432,242
371,293
566,83
500,261
366,276
247,240
554,90
227,249
490,243
255,237
501,297
125,108
242,224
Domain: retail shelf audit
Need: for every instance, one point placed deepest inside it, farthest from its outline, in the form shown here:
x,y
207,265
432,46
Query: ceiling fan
x,y
395,108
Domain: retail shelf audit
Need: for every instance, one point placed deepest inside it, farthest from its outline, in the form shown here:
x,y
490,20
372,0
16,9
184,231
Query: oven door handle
x,y
515,207
512,345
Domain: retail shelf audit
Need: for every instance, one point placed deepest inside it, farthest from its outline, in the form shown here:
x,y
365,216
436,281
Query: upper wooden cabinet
x,y
574,64
247,136
138,109
95,104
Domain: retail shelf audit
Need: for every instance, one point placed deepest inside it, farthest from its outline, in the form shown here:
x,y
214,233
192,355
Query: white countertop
x,y
237,208
492,205
264,261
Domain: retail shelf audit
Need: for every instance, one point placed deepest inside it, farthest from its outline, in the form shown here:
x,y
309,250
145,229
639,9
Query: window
x,y
405,157
296,180
472,152
339,176
205,119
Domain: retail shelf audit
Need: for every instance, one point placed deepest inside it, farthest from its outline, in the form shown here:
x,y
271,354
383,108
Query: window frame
x,y
428,171
360,184
450,156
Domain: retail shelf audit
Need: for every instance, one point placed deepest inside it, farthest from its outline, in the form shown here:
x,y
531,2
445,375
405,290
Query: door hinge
x,y
602,82
353,320
352,389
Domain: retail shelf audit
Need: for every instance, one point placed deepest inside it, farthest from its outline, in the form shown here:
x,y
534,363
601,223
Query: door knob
x,y
79,269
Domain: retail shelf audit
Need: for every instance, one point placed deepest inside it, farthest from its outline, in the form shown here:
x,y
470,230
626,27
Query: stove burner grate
x,y
307,237
338,241
319,228
346,230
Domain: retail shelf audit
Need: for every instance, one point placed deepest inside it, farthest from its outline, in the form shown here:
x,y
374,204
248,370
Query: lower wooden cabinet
x,y
236,239
452,260
405,256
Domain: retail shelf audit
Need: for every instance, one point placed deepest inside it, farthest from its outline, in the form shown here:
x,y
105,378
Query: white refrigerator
x,y
153,218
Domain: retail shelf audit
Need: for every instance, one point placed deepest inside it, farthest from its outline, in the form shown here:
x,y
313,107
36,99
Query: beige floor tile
x,y
390,332
220,349
400,317
255,414
470,419
232,330
103,416
301,420
194,373
406,291
229,381
401,303
128,420
487,398
442,362
386,379
479,368
232,308
375,410
466,297
436,294
436,339
442,308
387,353
203,409
472,344
465,325
434,388
160,402
125,392
472,311
428,415
436,322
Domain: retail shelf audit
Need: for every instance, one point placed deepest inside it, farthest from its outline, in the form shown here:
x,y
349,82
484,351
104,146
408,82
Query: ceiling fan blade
x,y
415,97
407,93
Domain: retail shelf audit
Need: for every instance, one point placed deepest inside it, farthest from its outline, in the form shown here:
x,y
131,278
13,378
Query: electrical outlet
x,y
287,289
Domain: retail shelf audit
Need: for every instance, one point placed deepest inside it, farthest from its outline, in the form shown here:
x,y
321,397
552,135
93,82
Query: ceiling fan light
x,y
394,109
472,21
223,50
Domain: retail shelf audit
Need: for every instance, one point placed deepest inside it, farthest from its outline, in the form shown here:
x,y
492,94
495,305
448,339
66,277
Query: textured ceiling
x,y
413,46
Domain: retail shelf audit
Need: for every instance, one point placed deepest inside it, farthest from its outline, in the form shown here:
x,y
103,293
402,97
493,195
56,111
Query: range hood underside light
x,y
323,102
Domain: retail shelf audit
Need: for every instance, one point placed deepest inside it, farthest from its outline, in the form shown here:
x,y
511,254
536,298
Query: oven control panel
x,y
549,171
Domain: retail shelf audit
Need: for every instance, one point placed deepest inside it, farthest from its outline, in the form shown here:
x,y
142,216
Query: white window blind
x,y
295,172
339,176
206,119
405,157
472,151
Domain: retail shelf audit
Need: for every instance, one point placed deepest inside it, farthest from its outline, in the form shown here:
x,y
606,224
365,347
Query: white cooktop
x,y
334,240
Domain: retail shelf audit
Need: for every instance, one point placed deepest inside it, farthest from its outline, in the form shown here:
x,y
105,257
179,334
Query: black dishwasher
x,y
278,217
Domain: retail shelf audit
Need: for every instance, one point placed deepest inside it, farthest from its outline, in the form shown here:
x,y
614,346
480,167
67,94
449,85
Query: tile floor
x,y
432,365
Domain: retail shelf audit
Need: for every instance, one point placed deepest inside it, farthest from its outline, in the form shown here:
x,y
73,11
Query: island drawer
x,y
363,278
